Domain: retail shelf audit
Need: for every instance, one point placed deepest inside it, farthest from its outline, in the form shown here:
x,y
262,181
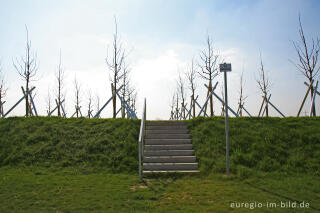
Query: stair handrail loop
x,y
141,137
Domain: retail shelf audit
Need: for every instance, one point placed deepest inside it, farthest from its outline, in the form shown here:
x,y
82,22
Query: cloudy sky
x,y
162,37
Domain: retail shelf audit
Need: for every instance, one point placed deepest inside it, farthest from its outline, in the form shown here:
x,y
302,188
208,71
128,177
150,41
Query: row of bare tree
x,y
207,69
119,75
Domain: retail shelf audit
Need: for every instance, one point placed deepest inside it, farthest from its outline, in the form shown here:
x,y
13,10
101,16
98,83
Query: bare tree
x,y
182,92
264,86
172,107
60,84
191,76
115,63
133,100
177,110
3,91
27,67
90,104
242,98
308,59
49,102
131,97
209,67
125,93
97,102
77,88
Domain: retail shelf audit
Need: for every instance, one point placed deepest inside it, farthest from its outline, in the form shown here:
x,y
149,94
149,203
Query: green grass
x,y
54,142
290,145
90,165
71,190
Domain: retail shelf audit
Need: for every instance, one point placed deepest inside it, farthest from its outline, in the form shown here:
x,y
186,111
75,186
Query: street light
x,y
226,68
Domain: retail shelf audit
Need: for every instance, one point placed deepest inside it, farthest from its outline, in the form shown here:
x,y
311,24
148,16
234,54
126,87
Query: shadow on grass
x,y
279,195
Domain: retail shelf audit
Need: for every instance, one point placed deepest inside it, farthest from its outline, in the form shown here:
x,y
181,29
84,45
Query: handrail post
x,y
141,138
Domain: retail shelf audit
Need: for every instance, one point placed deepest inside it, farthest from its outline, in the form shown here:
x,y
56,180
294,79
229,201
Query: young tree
x,y
308,59
89,104
177,111
241,96
3,91
49,102
60,85
264,86
132,99
27,67
209,67
125,93
172,105
77,88
115,63
181,91
97,102
191,76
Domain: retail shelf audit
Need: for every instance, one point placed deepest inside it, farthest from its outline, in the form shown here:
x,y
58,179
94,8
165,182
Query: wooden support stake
x,y
113,94
261,107
1,105
129,110
16,104
246,111
276,108
191,107
206,102
304,99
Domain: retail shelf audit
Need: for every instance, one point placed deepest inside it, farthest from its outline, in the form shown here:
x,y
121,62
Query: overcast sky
x,y
162,36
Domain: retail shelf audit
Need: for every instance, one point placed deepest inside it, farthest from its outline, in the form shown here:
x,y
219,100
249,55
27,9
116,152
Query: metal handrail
x,y
141,138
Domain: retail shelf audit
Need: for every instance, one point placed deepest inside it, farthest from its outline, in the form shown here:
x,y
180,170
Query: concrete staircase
x,y
168,148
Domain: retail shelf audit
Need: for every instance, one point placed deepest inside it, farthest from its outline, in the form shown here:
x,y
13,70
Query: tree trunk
x,y
27,98
267,110
205,107
312,92
194,106
114,98
211,99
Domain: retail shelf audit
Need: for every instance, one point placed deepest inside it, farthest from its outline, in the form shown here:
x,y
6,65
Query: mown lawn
x,y
73,190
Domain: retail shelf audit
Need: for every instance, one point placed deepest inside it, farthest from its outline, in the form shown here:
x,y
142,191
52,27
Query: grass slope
x,y
77,142
289,145
90,165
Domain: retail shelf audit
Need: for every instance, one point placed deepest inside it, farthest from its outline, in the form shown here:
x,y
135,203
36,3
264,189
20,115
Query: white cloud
x,y
156,79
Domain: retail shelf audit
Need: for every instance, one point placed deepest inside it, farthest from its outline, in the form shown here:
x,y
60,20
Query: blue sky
x,y
162,36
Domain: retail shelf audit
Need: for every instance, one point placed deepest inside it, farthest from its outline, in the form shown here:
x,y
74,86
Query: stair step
x,y
167,131
168,153
167,136
161,127
170,166
167,141
170,159
166,123
168,147
170,171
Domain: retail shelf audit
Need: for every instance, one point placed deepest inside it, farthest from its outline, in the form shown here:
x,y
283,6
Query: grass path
x,y
72,190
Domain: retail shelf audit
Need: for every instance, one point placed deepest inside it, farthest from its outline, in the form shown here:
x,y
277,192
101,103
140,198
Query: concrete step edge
x,y
170,171
169,164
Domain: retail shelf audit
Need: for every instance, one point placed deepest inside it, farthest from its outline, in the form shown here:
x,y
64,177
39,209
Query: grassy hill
x,y
90,165
289,145
54,142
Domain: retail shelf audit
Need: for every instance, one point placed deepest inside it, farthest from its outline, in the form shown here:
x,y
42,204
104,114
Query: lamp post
x,y
226,68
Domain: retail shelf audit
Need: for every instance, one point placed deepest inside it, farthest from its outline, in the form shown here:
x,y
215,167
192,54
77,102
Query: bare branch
x,y
27,67
307,53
